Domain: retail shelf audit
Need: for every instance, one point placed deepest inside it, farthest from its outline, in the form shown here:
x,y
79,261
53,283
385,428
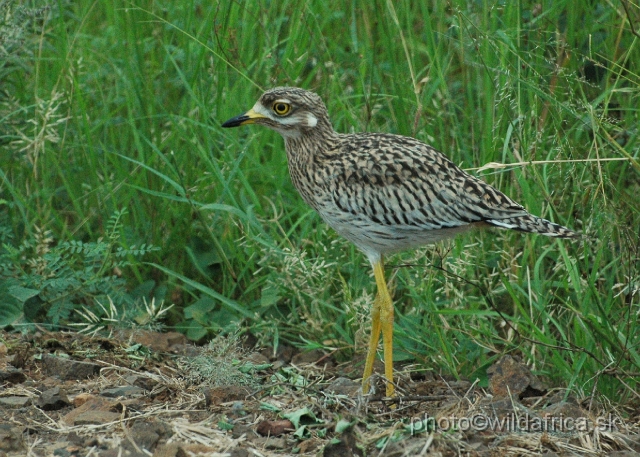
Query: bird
x,y
383,192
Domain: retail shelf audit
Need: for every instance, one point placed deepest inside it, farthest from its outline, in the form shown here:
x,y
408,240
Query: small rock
x,y
143,382
94,404
566,409
170,450
185,350
257,359
53,399
63,449
68,369
175,338
555,415
15,402
309,357
146,439
12,375
275,428
20,357
74,438
146,433
10,438
510,378
96,418
271,443
222,394
81,399
239,430
503,408
123,391
343,386
431,387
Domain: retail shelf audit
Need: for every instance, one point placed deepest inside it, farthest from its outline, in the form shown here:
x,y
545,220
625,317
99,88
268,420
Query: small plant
x,y
219,364
106,317
45,283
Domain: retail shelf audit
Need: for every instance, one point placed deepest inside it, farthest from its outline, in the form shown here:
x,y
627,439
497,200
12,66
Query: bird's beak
x,y
249,117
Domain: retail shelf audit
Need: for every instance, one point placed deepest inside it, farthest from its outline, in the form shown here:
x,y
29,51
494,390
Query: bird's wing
x,y
400,181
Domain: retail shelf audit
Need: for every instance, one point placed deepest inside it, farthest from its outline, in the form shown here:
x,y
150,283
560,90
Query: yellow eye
x,y
281,108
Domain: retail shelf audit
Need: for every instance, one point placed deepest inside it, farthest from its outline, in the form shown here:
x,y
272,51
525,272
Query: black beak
x,y
236,121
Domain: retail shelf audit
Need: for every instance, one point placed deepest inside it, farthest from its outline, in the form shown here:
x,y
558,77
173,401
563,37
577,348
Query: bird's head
x,y
290,111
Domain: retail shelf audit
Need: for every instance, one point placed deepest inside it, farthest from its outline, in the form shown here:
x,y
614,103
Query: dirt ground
x,y
142,393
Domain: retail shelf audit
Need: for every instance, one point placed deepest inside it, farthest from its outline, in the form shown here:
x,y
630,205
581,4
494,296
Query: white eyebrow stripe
x,y
260,109
283,100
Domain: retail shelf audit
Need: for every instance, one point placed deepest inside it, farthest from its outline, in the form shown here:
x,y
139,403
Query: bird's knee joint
x,y
386,315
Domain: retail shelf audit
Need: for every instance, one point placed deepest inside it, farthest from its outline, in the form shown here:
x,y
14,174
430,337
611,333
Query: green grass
x,y
106,106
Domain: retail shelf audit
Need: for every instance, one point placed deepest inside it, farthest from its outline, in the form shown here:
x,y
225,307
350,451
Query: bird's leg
x,y
386,324
382,320
373,343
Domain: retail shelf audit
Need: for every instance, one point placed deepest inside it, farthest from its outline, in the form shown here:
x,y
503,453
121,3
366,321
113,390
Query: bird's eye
x,y
281,108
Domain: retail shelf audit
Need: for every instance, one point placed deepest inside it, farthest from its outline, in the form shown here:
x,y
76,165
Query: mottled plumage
x,y
383,192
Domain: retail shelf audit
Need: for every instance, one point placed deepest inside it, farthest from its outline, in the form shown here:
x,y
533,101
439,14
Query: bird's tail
x,y
534,224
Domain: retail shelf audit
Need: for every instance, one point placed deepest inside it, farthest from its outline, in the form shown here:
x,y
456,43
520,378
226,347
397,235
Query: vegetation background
x,y
120,195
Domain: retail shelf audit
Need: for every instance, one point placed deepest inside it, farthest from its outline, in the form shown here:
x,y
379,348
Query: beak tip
x,y
235,121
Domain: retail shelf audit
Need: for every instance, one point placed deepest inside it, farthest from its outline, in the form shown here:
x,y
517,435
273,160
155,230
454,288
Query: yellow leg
x,y
373,344
382,320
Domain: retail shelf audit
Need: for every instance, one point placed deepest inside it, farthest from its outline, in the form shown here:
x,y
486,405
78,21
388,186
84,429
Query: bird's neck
x,y
320,139
305,155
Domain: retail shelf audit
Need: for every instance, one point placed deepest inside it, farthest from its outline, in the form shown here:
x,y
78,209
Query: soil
x,y
142,393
